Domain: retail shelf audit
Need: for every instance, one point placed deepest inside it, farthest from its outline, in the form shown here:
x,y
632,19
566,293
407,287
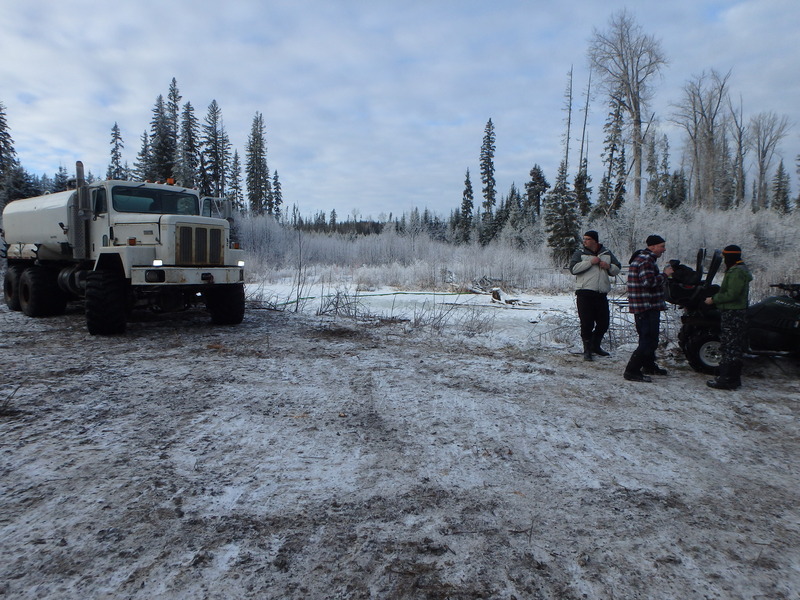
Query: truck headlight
x,y
157,262
240,264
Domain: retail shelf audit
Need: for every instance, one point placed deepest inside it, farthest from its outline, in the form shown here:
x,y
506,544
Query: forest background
x,y
726,183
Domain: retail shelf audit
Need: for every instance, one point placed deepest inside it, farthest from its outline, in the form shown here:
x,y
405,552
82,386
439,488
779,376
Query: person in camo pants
x,y
732,300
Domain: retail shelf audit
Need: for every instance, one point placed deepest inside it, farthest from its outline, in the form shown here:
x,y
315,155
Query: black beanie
x,y
592,234
653,240
731,254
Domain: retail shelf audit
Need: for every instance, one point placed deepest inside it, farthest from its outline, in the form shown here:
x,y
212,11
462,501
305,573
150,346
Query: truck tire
x,y
39,294
11,287
106,303
225,302
702,352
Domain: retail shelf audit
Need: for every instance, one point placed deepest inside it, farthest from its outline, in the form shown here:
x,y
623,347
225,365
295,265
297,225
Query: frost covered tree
x,y
767,129
627,61
703,116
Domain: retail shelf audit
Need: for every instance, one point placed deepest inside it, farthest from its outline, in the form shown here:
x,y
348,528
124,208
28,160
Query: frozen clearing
x,y
439,451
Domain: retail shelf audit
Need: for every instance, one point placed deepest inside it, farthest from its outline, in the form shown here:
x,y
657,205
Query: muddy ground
x,y
298,457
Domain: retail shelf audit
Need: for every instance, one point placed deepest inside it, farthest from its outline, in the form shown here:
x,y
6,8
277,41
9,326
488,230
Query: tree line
x,y
729,160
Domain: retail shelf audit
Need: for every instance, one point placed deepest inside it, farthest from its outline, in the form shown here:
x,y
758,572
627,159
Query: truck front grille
x,y
199,246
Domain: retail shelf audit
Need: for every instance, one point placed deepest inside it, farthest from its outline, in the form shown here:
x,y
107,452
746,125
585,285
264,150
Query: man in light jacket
x,y
594,265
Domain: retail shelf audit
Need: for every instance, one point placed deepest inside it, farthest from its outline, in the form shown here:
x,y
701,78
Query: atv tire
x,y
703,352
225,302
106,303
39,294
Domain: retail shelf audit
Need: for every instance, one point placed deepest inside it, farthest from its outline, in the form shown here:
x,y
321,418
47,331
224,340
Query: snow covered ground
x,y
436,447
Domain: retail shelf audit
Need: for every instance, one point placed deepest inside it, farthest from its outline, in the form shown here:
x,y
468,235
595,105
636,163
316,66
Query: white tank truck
x,y
120,245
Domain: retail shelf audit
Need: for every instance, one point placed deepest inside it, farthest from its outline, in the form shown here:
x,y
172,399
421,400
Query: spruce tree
x,y
277,196
561,218
173,118
189,143
216,151
780,191
256,169
115,168
8,161
60,179
582,189
162,143
534,194
465,216
143,165
235,192
487,178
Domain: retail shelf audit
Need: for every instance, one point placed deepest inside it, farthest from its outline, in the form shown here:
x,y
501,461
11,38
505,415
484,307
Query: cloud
x,y
379,106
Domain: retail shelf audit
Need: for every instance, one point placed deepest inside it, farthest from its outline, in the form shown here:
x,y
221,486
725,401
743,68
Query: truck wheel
x,y
703,353
225,303
106,303
11,286
39,294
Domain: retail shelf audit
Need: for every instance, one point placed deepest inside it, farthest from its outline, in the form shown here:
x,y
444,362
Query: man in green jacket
x,y
732,300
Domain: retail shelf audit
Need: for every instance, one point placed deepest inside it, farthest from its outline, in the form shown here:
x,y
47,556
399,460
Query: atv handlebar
x,y
792,288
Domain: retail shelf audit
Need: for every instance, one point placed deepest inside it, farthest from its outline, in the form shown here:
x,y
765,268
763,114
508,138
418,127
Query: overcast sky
x,y
374,106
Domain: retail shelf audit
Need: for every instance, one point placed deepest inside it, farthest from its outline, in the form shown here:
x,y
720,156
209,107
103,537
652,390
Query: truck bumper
x,y
186,276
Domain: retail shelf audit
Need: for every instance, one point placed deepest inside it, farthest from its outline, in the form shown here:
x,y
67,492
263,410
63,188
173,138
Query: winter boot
x,y
727,378
587,350
596,346
654,369
633,371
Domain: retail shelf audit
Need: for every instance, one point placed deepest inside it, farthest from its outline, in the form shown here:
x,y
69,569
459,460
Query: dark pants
x,y
593,314
647,326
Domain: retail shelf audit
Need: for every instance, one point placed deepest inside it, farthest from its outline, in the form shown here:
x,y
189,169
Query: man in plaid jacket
x,y
646,301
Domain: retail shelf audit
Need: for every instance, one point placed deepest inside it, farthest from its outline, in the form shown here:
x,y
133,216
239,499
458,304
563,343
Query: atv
x,y
773,325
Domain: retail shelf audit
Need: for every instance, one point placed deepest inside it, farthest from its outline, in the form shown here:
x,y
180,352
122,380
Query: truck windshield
x,y
154,200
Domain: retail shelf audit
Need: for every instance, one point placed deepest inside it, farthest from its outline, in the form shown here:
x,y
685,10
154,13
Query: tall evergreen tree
x,y
8,154
162,143
60,180
8,160
465,216
173,118
487,178
115,168
612,187
235,192
277,196
256,169
189,142
583,190
561,218
534,194
143,165
216,151
781,201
